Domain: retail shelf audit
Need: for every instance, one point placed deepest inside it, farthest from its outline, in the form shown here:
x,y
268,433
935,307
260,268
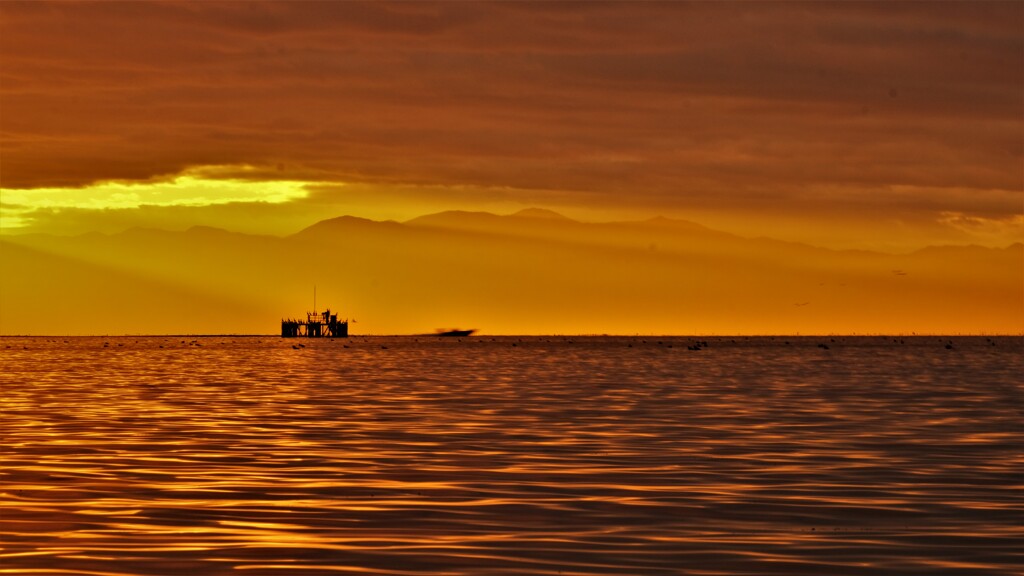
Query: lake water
x,y
509,456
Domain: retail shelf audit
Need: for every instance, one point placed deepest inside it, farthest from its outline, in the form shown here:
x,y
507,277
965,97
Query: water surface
x,y
526,456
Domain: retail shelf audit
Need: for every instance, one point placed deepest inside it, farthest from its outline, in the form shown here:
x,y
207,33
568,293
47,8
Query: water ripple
x,y
528,456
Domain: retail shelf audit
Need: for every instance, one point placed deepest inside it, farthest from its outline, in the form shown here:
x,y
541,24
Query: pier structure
x,y
317,325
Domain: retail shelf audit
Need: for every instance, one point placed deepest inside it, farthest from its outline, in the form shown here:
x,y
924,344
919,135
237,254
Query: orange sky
x,y
883,126
902,120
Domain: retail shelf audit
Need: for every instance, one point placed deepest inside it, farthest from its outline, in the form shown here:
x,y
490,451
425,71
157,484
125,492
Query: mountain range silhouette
x,y
532,272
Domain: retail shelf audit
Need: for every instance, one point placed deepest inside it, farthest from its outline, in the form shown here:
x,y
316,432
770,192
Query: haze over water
x,y
220,455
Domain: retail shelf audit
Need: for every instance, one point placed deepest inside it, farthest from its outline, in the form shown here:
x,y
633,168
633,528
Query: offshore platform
x,y
317,325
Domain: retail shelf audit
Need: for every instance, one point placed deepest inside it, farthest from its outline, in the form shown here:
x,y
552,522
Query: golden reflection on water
x,y
132,456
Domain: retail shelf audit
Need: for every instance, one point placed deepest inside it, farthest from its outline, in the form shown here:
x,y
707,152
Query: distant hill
x,y
530,272
539,213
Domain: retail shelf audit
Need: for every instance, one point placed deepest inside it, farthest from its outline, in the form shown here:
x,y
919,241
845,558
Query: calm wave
x,y
532,456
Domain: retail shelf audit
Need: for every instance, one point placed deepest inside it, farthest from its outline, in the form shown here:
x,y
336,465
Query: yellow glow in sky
x,y
198,187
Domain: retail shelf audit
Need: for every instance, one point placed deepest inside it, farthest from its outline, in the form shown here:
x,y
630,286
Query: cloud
x,y
205,186
986,229
663,105
245,199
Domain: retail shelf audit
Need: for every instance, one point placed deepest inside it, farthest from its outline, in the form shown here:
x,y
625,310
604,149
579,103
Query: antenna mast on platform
x,y
314,298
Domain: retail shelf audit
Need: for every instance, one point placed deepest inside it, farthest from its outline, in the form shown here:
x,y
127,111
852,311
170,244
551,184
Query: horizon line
x,y
559,335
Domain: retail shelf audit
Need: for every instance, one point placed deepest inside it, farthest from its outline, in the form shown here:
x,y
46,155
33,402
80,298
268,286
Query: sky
x,y
889,126
717,167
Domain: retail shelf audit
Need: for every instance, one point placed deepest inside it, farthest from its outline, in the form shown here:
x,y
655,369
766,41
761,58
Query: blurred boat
x,y
454,332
